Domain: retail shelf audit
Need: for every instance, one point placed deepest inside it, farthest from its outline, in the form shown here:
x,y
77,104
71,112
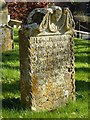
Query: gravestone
x,y
47,58
6,42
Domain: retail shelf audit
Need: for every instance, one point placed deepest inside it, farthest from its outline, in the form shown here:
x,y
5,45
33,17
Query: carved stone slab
x,y
46,63
6,43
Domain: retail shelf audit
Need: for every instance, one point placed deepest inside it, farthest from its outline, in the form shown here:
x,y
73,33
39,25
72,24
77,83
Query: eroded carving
x,y
42,21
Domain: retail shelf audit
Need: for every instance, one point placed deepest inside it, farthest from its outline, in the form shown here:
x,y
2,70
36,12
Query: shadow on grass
x,y
86,70
85,43
82,59
12,103
13,87
10,56
11,67
81,52
82,44
82,86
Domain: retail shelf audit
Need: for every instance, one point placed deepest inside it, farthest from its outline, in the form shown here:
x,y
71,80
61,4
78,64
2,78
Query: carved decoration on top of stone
x,y
52,20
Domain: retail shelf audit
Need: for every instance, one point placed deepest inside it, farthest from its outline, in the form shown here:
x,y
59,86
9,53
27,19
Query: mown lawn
x,y
11,105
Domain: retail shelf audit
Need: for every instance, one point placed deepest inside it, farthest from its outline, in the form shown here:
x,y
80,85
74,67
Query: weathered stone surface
x,y
47,62
6,43
3,12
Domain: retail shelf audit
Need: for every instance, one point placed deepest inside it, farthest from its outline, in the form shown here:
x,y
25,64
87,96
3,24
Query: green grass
x,y
11,105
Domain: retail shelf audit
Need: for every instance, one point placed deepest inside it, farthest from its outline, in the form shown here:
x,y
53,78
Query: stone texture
x,y
6,43
3,12
46,64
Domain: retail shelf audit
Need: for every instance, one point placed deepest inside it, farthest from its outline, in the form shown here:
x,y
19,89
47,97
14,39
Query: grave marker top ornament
x,y
47,58
51,20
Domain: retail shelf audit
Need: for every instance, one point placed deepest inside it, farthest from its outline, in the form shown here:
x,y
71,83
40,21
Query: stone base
x,y
47,71
6,43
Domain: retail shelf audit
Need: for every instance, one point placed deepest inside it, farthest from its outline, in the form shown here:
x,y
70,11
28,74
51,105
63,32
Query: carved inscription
x,y
48,52
49,62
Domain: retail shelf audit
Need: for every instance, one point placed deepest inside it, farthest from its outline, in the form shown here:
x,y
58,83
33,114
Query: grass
x,y
11,105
